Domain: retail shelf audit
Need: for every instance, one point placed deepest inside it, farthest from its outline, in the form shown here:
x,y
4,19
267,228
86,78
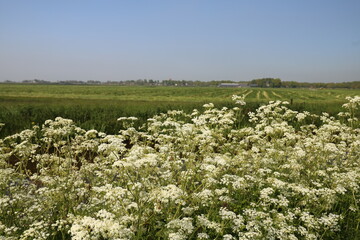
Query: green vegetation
x,y
98,106
267,82
261,82
186,176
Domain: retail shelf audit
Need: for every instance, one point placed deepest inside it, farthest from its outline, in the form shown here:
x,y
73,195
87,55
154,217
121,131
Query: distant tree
x,y
267,82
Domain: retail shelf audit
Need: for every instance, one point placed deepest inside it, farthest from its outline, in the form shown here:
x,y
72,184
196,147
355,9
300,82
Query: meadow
x,y
98,106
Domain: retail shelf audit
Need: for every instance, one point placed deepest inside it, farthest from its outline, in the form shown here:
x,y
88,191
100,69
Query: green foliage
x,y
197,175
263,82
267,82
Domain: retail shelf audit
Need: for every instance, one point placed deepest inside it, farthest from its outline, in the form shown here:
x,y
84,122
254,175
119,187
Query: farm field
x,y
172,94
98,107
179,120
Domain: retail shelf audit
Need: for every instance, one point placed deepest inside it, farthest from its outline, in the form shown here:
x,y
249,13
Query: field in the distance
x,y
98,106
173,94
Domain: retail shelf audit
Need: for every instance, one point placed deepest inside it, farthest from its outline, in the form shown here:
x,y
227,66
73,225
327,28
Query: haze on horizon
x,y
305,41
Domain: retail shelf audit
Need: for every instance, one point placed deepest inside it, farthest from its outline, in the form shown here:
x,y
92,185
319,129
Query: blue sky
x,y
303,40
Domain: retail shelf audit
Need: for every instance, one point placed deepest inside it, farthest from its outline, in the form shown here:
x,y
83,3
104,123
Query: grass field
x,y
91,106
173,94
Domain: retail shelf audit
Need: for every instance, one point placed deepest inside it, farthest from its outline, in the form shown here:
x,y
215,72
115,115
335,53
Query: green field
x,y
98,106
172,94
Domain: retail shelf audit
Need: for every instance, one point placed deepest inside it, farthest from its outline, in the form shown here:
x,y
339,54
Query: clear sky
x,y
295,40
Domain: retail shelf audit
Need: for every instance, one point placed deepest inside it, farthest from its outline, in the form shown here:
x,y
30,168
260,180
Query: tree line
x,y
261,82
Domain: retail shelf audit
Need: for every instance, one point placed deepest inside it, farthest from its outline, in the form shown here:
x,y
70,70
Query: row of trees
x,y
277,83
261,82
292,84
138,82
266,82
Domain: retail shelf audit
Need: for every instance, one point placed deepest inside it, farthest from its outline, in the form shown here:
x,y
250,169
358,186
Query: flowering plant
x,y
186,176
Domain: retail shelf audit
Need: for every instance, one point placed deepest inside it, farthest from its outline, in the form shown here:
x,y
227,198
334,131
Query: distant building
x,y
234,85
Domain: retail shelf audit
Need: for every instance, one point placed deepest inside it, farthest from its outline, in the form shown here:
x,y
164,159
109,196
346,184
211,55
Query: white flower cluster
x,y
287,175
239,99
